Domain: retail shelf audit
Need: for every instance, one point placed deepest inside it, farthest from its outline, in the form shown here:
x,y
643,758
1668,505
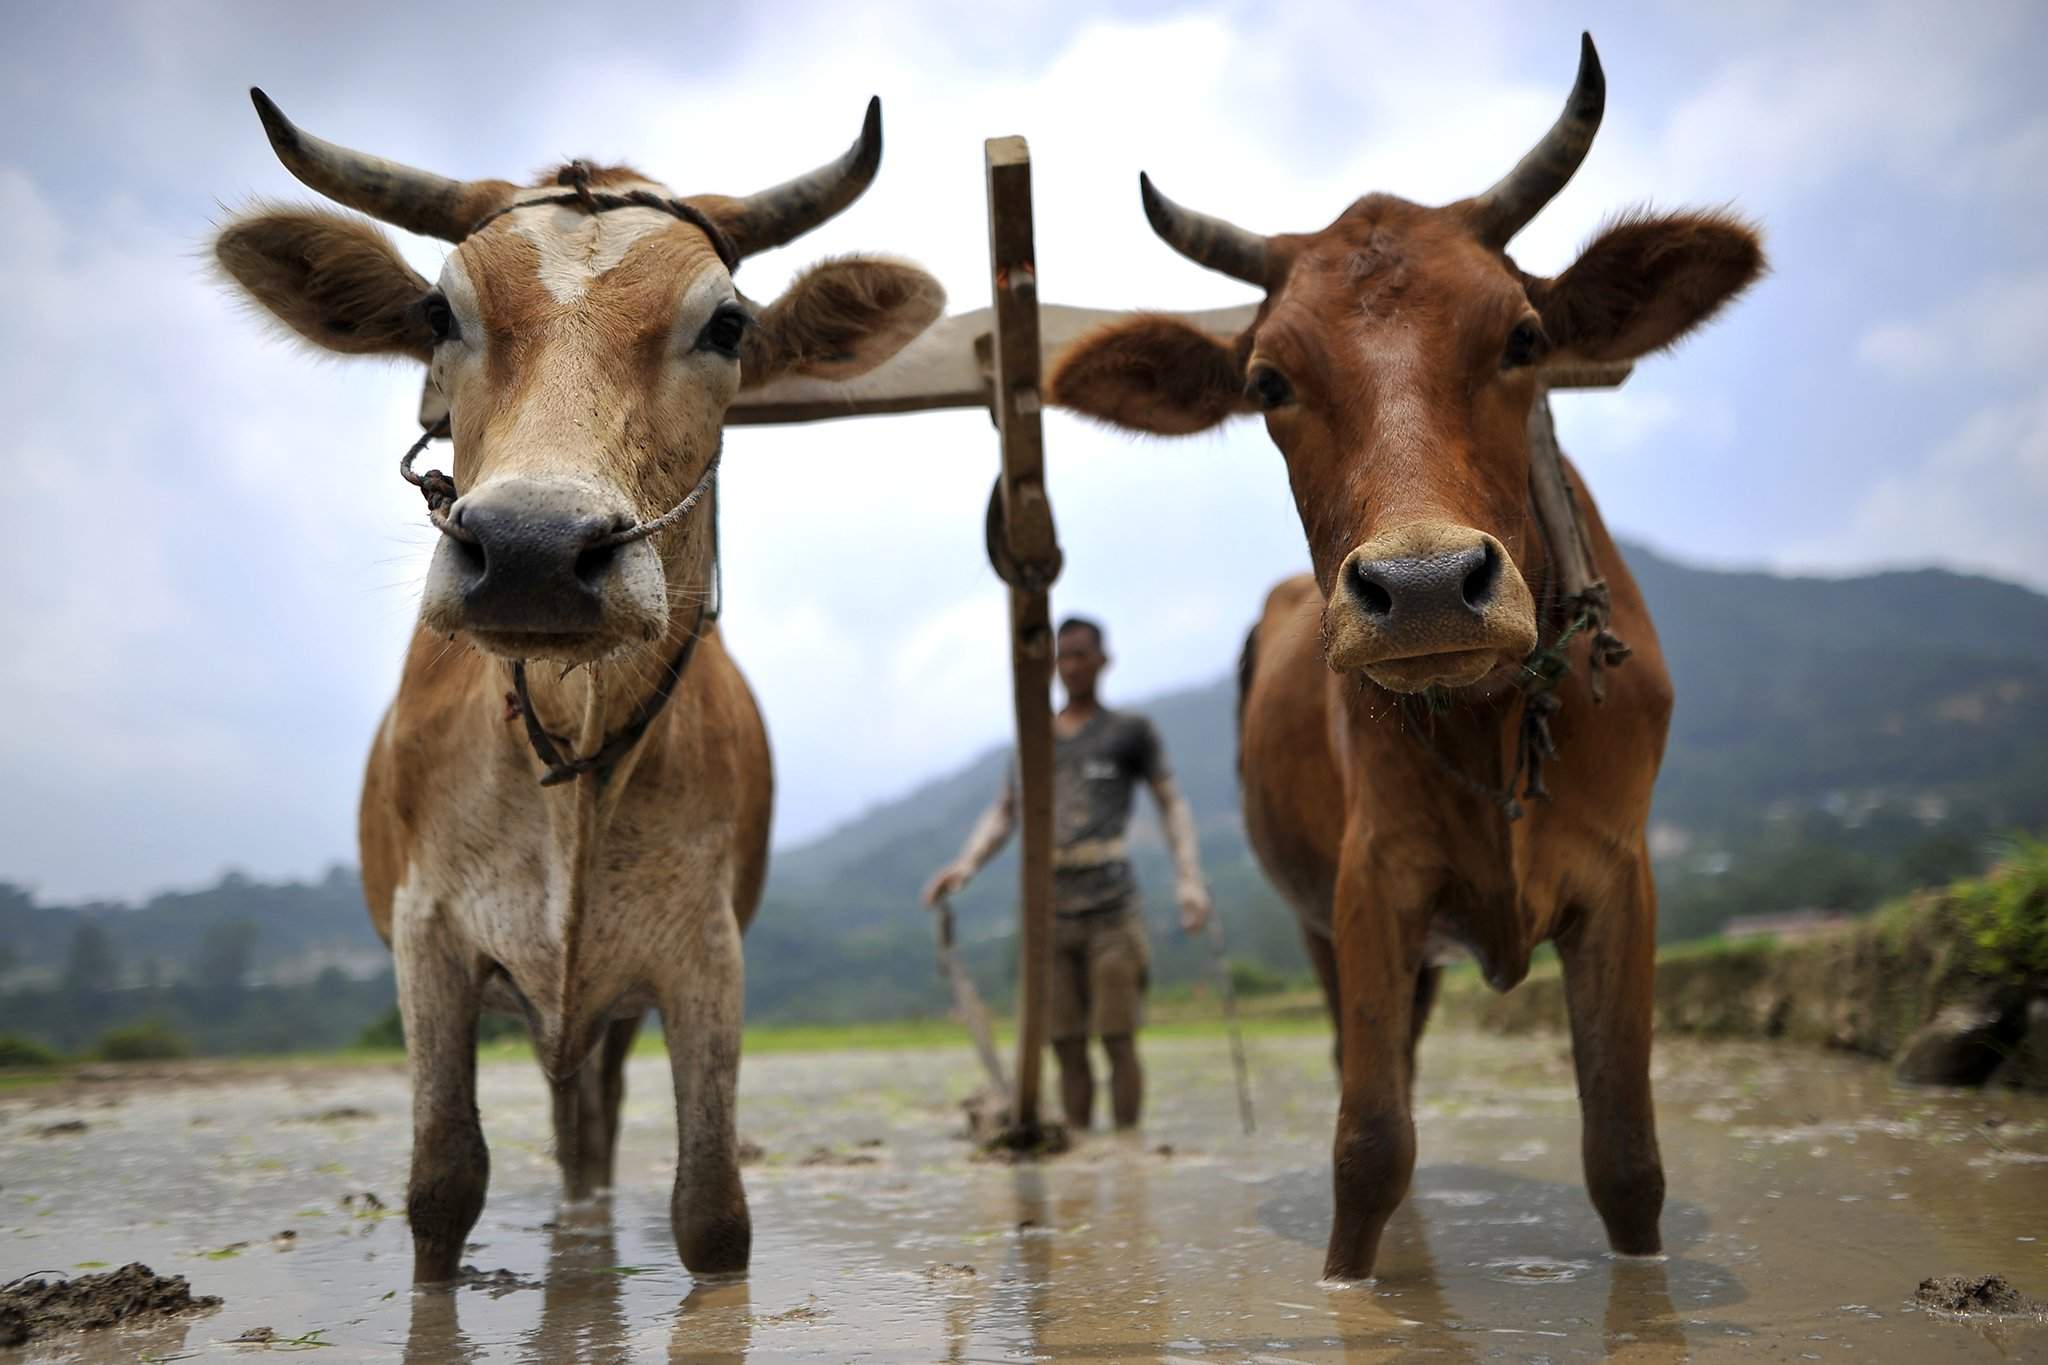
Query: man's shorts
x,y
1100,968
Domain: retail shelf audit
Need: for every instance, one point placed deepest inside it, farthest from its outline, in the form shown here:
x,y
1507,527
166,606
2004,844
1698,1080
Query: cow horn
x,y
1506,209
418,201
1206,241
784,212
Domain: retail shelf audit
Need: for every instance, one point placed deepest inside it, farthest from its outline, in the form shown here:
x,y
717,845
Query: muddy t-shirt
x,y
1093,774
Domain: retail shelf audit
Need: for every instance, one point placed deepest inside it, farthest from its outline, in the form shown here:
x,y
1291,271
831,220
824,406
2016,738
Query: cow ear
x,y
1152,373
333,279
839,319
1644,282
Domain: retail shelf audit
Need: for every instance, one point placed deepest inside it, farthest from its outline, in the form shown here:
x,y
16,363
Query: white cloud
x,y
1975,502
1998,327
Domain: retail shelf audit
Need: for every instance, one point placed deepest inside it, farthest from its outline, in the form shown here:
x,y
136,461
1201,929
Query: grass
x,y
1288,1013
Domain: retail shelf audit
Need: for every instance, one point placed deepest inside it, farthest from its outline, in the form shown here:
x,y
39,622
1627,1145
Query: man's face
x,y
1080,661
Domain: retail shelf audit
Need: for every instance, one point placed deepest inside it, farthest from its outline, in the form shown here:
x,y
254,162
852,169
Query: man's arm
x,y
984,841
1178,820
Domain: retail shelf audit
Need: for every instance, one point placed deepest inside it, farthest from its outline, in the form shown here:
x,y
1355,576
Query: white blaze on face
x,y
576,247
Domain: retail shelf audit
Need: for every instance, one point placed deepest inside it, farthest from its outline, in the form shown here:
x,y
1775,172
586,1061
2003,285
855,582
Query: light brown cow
x,y
585,343
1395,359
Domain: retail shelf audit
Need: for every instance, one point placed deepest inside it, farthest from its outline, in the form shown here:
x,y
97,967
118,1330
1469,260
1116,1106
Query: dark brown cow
x,y
1395,359
585,343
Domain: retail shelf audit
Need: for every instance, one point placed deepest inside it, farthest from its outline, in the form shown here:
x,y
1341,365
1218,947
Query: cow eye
x,y
1526,345
723,332
1269,389
440,318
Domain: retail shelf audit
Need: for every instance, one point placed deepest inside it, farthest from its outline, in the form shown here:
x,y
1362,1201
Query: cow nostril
x,y
1477,589
593,564
1371,595
469,548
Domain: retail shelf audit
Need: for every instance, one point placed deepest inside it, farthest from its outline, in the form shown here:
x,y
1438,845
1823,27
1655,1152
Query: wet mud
x,y
1809,1198
41,1308
1977,1294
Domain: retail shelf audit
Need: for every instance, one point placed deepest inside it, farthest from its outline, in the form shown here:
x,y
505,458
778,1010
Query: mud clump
x,y
68,1128
825,1156
496,1283
345,1113
1975,1294
1013,1144
38,1308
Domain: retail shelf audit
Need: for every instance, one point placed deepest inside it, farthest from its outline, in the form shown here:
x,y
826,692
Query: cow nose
x,y
528,563
1448,584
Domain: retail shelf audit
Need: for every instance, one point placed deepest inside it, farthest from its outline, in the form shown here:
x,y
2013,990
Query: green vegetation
x,y
2003,918
1249,978
17,1051
148,1040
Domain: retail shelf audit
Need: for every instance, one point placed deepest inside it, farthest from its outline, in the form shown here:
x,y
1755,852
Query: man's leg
x,y
1118,962
1068,1025
1126,1079
1077,1082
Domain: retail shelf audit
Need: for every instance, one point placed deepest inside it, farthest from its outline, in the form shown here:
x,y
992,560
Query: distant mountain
x,y
1836,740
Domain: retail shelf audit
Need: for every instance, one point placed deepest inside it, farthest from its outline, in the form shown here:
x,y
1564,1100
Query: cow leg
x,y
701,1017
611,1097
439,998
1322,955
1609,966
572,1105
1373,1156
1426,983
586,1112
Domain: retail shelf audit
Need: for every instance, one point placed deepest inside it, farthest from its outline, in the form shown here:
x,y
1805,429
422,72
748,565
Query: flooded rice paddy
x,y
1808,1198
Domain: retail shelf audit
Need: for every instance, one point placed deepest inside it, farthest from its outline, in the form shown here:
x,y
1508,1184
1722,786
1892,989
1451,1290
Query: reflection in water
x,y
1089,1258
581,1317
434,1333
714,1325
1527,1237
1380,1321
1641,1324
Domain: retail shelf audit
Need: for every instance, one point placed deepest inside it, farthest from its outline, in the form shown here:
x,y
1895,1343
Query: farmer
x,y
1099,952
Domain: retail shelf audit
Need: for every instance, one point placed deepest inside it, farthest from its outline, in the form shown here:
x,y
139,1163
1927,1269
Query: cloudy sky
x,y
213,568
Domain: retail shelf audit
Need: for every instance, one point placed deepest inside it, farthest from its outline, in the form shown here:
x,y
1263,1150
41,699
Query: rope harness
x,y
440,493
1541,672
1586,606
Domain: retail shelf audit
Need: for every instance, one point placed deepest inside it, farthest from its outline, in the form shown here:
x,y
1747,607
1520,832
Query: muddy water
x,y
1808,1199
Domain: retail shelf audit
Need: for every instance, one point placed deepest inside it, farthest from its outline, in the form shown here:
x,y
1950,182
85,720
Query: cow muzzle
x,y
1430,604
523,571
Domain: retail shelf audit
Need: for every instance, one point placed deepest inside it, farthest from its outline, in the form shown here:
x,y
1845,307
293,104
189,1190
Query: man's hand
x,y
947,881
1195,907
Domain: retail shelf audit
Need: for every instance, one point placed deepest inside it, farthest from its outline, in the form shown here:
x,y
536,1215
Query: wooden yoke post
x,y
1026,538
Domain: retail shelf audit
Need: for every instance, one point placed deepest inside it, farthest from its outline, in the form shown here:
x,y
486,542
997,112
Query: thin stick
x,y
1223,984
967,1001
